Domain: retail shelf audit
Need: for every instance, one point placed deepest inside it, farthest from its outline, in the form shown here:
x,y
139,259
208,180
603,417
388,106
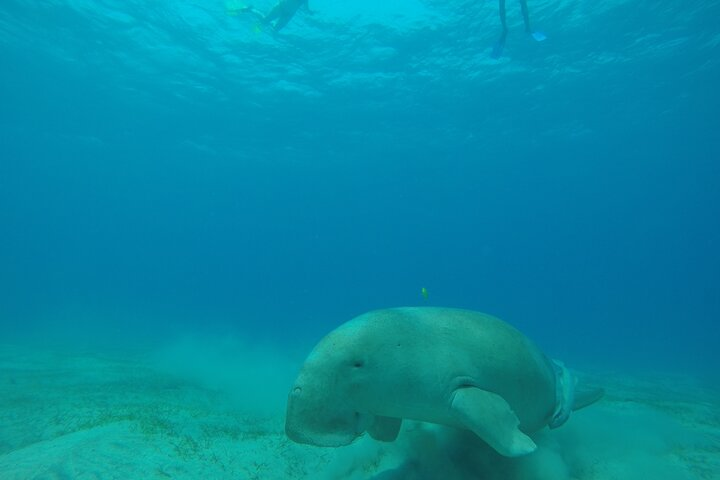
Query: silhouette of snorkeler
x,y
280,14
500,45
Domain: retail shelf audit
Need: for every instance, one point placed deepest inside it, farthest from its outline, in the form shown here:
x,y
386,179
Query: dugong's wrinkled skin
x,y
452,367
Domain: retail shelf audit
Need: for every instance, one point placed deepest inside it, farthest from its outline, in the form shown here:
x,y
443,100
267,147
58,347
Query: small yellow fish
x,y
424,293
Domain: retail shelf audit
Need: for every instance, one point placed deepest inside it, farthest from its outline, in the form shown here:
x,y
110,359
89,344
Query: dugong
x,y
447,366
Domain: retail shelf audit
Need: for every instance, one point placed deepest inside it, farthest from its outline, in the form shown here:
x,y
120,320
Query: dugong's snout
x,y
311,420
293,421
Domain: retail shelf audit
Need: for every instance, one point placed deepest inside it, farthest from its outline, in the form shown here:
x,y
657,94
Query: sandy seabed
x,y
179,415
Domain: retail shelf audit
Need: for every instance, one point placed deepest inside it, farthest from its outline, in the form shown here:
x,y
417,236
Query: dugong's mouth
x,y
318,439
314,421
296,435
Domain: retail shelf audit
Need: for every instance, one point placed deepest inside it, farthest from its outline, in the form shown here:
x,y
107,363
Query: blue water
x,y
169,167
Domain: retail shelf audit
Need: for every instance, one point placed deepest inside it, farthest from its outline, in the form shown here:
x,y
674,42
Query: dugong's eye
x,y
358,364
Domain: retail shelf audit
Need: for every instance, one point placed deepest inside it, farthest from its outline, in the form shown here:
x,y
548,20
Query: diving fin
x,y
497,50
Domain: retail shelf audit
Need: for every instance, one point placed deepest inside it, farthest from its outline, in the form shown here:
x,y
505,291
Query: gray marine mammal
x,y
447,366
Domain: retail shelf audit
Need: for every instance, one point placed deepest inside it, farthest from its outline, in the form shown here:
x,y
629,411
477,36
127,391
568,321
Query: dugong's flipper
x,y
385,429
491,418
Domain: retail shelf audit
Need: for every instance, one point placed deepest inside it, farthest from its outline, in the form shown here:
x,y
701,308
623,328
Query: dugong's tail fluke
x,y
587,397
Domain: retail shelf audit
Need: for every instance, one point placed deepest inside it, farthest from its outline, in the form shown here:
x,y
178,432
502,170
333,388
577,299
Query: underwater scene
x,y
344,240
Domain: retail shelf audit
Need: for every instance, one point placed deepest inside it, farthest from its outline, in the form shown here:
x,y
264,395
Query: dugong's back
x,y
431,347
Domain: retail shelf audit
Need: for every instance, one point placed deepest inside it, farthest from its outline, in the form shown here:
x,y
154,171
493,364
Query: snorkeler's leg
x,y
500,44
501,11
539,36
276,12
525,15
254,11
283,20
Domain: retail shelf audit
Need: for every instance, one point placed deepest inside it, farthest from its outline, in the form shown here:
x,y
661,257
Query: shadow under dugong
x,y
447,366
